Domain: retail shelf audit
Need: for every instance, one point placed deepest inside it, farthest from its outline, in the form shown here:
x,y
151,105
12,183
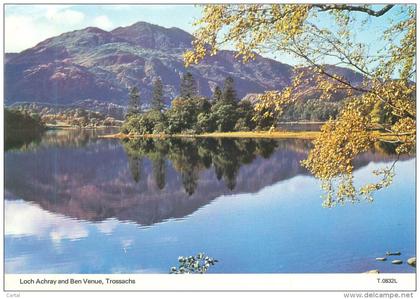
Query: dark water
x,y
78,204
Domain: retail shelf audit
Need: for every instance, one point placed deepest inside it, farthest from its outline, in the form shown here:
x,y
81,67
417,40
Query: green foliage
x,y
217,95
21,128
229,92
224,116
194,114
77,117
205,123
133,102
182,116
143,123
245,112
15,120
311,110
224,112
193,264
157,97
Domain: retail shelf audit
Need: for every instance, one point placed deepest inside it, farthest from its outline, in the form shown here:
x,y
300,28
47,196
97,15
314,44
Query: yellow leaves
x,y
405,130
339,143
387,174
246,26
271,104
379,101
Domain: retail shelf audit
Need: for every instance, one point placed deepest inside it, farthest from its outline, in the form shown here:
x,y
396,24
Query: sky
x,y
27,25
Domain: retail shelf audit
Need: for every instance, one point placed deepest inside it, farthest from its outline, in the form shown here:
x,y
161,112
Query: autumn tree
x,y
388,73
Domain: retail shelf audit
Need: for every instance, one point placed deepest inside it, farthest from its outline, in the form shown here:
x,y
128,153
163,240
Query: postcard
x,y
210,146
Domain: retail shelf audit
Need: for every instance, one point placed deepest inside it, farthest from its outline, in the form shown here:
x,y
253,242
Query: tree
x,y
388,76
229,92
21,128
133,102
223,116
182,115
205,123
217,95
188,88
157,96
245,113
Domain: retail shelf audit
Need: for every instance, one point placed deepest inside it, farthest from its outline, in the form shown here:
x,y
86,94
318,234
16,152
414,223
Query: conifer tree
x,y
229,92
217,95
157,97
188,88
133,102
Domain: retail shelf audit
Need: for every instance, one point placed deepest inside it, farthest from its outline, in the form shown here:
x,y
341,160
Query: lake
x,y
76,203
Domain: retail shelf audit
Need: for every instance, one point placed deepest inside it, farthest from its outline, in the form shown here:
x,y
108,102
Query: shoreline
x,y
308,135
250,134
64,127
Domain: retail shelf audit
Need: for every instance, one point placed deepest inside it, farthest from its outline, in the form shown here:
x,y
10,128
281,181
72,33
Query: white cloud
x,y
58,15
103,22
22,32
25,30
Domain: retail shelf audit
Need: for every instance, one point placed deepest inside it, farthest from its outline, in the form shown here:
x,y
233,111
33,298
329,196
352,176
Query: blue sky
x,y
27,25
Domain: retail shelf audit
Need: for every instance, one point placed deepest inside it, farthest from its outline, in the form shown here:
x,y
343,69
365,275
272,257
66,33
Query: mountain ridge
x,y
92,63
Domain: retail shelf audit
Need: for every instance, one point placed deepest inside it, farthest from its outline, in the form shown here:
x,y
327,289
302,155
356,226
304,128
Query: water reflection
x,y
148,181
22,140
238,200
189,157
62,138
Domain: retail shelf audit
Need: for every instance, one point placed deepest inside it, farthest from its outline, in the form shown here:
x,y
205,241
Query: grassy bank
x,y
250,134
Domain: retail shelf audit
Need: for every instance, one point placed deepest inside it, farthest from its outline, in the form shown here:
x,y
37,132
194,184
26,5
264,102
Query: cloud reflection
x,y
28,219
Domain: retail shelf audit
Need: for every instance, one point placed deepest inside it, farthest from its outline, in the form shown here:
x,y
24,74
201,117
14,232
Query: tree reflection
x,y
134,164
22,141
59,138
191,156
159,172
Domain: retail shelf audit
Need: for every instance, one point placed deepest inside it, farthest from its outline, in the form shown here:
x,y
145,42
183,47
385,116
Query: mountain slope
x,y
95,64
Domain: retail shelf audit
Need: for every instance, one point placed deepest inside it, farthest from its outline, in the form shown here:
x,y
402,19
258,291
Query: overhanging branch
x,y
357,8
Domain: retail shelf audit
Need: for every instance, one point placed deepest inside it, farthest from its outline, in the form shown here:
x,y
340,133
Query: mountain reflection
x,y
148,181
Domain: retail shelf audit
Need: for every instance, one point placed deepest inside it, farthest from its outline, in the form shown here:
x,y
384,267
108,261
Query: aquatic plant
x,y
193,264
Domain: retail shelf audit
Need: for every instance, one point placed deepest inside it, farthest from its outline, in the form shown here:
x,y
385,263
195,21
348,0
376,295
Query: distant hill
x,y
101,66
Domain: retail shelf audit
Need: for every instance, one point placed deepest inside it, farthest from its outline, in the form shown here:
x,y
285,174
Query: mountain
x,y
99,65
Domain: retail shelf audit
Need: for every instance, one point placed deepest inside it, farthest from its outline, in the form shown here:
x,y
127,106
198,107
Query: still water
x,y
75,203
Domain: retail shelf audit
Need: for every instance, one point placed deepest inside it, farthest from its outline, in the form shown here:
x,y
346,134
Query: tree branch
x,y
371,12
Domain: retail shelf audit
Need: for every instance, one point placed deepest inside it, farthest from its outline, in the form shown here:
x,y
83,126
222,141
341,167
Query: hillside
x,y
98,65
